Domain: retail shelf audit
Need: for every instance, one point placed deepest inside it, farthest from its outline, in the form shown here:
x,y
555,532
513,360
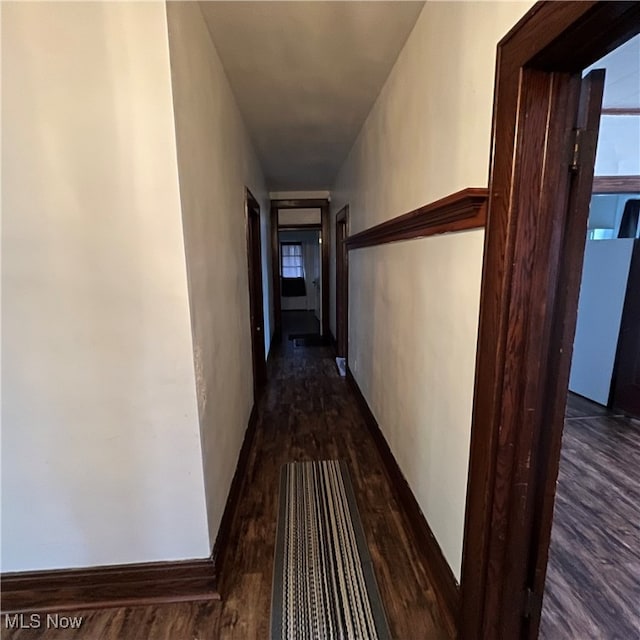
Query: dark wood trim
x,y
302,203
112,586
620,111
342,282
133,584
299,227
523,345
459,211
445,586
223,548
616,184
256,300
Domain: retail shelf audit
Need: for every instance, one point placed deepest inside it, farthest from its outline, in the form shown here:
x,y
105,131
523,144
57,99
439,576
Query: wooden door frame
x,y
325,233
342,285
256,300
528,307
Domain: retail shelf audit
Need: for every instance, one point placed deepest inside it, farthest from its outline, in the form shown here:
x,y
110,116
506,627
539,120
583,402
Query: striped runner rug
x,y
324,587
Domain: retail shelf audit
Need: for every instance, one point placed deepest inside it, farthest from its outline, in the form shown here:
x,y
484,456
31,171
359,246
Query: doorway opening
x,y
540,187
595,532
300,267
301,284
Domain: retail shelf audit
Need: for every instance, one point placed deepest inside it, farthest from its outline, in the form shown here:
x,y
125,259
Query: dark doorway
x,y
540,171
256,308
625,388
342,282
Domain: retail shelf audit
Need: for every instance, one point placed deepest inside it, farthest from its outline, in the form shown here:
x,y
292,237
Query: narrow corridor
x,y
306,413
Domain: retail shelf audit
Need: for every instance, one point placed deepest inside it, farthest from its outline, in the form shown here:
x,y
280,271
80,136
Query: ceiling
x,y
622,80
305,76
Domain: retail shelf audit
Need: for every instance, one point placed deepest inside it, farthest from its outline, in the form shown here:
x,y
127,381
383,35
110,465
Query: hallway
x,y
187,180
306,413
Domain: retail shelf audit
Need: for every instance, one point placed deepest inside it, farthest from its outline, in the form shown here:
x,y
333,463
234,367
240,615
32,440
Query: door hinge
x,y
575,154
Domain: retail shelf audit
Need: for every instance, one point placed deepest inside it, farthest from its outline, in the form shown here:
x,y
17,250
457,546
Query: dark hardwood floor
x,y
298,322
593,577
306,413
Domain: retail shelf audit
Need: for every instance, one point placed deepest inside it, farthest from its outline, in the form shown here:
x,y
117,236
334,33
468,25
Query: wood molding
x,y
132,584
222,547
314,226
459,211
524,346
111,586
620,111
616,184
300,203
445,586
254,285
342,282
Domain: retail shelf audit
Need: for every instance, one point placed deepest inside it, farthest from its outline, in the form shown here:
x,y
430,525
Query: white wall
x,y
298,195
602,291
606,211
101,456
216,161
299,216
413,306
618,143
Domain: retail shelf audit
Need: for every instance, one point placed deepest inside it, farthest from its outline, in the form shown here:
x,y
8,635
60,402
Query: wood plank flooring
x,y
307,412
593,577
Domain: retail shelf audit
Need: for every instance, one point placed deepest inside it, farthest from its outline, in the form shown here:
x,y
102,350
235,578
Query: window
x,y
291,260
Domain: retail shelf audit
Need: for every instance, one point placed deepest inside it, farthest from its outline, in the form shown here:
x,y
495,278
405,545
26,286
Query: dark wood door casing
x,y
256,308
523,354
546,452
342,282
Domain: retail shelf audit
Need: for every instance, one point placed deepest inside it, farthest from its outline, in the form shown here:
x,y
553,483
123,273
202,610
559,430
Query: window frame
x,y
282,257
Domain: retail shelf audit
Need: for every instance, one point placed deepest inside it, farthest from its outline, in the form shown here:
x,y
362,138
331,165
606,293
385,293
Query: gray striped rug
x,y
324,587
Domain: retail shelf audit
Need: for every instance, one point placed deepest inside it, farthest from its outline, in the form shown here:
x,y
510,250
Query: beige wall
x,y
299,216
215,161
413,308
101,455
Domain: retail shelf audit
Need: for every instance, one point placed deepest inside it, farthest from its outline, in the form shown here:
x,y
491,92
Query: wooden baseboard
x,y
221,548
445,586
131,584
111,586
